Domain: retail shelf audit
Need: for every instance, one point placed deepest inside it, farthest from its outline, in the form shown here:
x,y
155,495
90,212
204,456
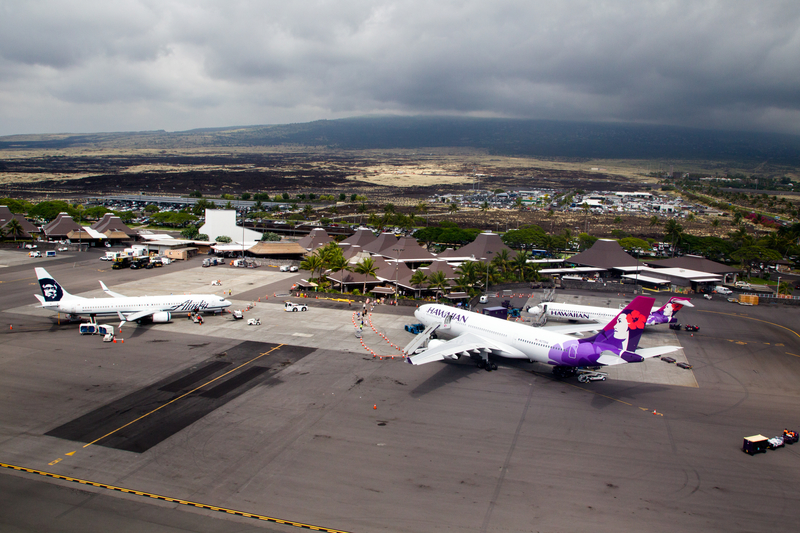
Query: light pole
x,y
396,271
778,287
486,288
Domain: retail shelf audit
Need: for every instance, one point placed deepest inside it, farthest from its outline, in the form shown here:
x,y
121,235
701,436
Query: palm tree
x,y
586,209
313,263
785,288
737,218
366,267
439,282
14,228
418,278
502,259
484,206
674,232
453,207
339,264
520,264
654,221
468,272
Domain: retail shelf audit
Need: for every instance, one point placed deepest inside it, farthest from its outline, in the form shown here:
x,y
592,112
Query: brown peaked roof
x,y
7,216
384,241
361,238
484,248
316,238
437,266
410,250
61,226
606,254
694,262
110,221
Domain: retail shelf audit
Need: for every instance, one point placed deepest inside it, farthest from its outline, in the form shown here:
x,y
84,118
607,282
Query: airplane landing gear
x,y
487,365
562,372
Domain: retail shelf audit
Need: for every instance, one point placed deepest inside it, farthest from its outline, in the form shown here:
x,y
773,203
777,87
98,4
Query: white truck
x,y
292,307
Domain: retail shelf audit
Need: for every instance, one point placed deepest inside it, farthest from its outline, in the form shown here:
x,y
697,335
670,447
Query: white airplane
x,y
585,313
157,309
478,336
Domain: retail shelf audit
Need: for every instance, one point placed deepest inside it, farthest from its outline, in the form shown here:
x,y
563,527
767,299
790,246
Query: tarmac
x,y
295,423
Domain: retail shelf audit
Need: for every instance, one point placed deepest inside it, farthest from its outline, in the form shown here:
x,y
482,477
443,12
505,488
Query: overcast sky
x,y
83,66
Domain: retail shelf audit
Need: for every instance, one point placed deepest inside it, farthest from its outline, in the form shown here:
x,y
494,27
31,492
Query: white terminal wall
x,y
223,222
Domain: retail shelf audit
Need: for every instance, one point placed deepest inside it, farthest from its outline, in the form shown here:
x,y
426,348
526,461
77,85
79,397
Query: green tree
x,y
468,274
224,239
750,256
195,194
13,227
453,207
190,232
269,236
151,208
312,263
501,260
674,232
438,282
785,288
338,264
418,279
200,206
366,267
654,221
520,265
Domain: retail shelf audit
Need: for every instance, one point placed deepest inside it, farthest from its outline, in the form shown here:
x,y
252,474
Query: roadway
x,y
325,434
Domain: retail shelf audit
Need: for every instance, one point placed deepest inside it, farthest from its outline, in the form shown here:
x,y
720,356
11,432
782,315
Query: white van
x,y
722,290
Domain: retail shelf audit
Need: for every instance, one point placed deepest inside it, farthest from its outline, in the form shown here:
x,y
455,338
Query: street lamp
x,y
396,271
486,288
778,287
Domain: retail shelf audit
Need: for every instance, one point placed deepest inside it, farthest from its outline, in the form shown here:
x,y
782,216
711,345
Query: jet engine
x,y
161,317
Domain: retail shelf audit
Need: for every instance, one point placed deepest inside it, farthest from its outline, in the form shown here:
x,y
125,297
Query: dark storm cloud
x,y
78,66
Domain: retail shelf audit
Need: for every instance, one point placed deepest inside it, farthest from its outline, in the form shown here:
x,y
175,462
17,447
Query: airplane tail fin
x,y
622,334
666,313
51,290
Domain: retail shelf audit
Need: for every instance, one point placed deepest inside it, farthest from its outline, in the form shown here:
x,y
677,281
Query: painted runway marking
x,y
751,318
175,500
794,354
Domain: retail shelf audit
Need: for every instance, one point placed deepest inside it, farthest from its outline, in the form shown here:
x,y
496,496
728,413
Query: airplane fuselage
x,y
518,341
134,304
579,313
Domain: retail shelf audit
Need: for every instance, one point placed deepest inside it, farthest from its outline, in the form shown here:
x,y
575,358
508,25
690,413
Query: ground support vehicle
x,y
253,321
683,365
690,327
585,376
416,329
789,437
774,443
675,325
292,307
92,328
121,262
667,359
35,254
237,315
755,444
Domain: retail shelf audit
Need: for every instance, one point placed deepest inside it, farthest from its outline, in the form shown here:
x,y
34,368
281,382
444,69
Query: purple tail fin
x,y
666,313
625,330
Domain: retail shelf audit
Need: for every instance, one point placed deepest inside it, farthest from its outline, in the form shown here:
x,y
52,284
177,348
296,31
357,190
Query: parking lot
x,y
295,419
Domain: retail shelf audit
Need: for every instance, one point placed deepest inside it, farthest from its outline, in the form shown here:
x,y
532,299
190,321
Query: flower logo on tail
x,y
636,320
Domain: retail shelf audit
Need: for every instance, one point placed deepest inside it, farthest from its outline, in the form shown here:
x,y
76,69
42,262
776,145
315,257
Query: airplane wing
x,y
132,317
469,342
575,328
109,292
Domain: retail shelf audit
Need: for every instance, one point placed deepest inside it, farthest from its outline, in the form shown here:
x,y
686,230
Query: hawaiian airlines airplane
x,y
585,313
479,336
127,308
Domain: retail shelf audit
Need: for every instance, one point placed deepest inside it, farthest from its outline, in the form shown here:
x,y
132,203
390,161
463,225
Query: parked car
x,y
284,268
742,285
293,268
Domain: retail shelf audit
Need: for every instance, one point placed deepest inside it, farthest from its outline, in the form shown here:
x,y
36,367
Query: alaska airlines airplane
x,y
127,308
478,336
585,313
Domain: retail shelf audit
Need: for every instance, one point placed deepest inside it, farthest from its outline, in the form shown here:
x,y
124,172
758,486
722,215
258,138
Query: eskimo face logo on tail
x,y
51,289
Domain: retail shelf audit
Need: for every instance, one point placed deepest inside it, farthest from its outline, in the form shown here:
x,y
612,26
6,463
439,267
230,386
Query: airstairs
x,y
422,338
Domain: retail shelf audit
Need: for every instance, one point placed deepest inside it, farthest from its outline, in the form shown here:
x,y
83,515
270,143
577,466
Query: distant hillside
x,y
497,136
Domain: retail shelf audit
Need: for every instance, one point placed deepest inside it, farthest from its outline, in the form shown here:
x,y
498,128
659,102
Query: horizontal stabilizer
x,y
656,351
